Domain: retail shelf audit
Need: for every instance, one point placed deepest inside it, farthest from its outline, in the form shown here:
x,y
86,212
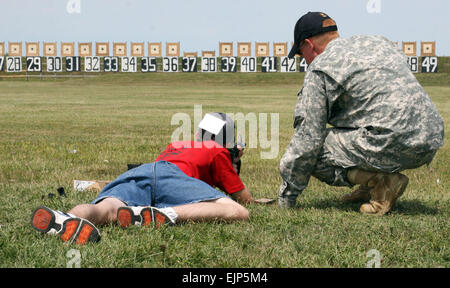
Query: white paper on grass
x,y
80,185
211,124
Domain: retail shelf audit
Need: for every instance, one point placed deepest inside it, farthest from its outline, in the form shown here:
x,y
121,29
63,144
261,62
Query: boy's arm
x,y
243,197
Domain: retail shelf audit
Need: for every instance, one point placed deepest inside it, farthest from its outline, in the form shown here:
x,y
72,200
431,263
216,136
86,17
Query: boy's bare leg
x,y
219,209
101,213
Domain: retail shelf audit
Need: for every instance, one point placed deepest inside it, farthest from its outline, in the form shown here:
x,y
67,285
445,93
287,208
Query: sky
x,y
201,24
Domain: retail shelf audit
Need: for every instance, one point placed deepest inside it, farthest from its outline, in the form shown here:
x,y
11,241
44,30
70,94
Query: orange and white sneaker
x,y
69,227
143,216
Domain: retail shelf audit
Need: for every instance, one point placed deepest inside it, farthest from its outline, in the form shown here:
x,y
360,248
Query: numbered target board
x,y
73,64
248,64
303,65
34,64
13,64
288,65
269,64
111,64
429,64
170,64
209,64
54,64
129,64
228,64
188,64
148,64
92,64
2,63
413,63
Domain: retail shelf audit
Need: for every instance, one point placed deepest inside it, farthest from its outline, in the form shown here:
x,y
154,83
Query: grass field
x,y
117,119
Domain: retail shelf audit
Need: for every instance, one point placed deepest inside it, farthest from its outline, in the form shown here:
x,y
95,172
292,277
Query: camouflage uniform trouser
x,y
344,149
341,151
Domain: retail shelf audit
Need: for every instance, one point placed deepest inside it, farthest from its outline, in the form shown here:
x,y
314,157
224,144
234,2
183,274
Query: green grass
x,y
117,119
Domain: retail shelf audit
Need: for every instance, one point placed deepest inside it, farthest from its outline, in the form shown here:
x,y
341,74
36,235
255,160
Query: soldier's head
x,y
312,33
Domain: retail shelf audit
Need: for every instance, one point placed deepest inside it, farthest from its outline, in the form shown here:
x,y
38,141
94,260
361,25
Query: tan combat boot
x,y
357,176
384,191
362,194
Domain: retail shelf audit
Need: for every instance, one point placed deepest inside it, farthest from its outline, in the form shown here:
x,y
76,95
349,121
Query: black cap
x,y
309,25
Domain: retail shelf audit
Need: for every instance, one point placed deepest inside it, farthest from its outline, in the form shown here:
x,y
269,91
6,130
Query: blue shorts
x,y
159,184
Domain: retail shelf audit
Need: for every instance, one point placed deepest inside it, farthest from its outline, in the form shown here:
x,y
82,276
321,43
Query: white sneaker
x,y
68,227
142,216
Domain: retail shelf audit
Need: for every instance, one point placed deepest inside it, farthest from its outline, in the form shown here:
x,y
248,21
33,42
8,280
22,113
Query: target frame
x,y
120,49
280,49
428,48
137,49
15,49
226,49
262,49
50,49
67,49
244,49
172,49
85,49
409,48
32,49
155,49
102,49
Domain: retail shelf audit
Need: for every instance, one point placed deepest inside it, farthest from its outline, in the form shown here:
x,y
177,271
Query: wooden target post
x,y
170,62
73,63
268,63
429,60
2,49
410,50
209,61
91,63
227,61
32,57
286,64
189,62
14,59
247,63
53,63
190,54
208,53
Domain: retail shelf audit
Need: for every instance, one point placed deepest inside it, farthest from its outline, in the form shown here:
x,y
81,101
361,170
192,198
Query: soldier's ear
x,y
309,44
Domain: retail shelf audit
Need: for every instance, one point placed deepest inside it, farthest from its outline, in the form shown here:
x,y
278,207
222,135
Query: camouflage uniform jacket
x,y
359,84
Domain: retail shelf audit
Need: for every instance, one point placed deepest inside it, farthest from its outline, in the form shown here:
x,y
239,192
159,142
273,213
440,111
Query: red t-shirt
x,y
206,161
